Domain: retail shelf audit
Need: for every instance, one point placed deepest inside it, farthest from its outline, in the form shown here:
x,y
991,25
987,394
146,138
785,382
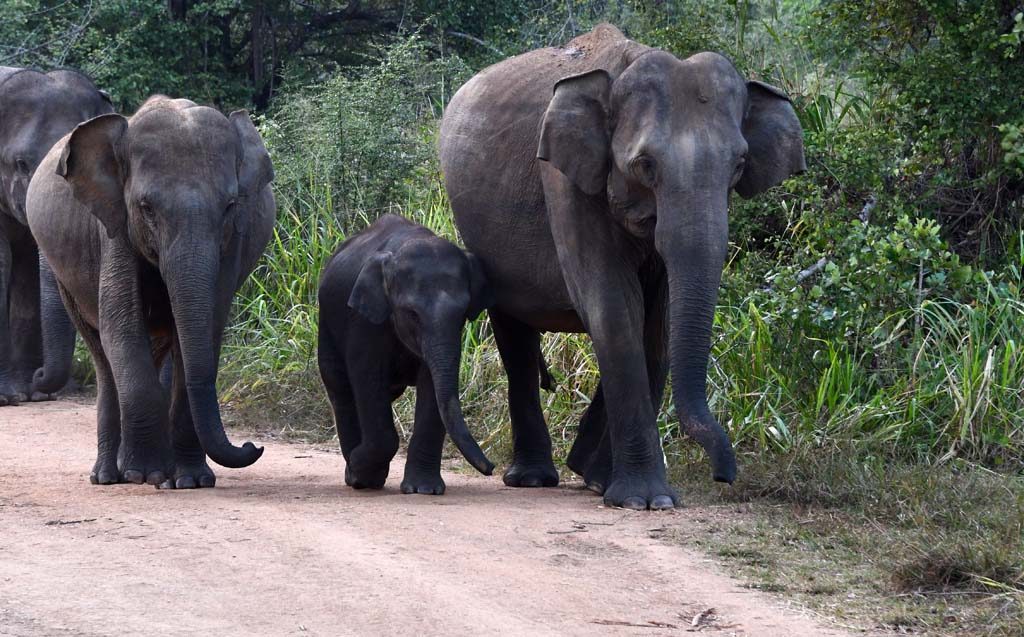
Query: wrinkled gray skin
x,y
393,300
36,110
150,225
593,183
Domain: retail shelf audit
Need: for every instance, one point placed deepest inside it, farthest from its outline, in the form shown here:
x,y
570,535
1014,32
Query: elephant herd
x,y
590,184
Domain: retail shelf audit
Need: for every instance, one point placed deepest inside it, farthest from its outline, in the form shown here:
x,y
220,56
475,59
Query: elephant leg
x,y
519,347
601,268
423,460
145,454
108,411
339,393
58,336
369,462
589,434
7,394
191,470
26,333
592,453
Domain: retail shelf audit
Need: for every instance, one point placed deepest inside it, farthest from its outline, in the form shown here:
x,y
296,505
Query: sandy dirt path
x,y
283,548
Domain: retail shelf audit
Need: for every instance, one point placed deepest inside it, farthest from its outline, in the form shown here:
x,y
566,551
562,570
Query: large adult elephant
x,y
150,225
593,183
36,110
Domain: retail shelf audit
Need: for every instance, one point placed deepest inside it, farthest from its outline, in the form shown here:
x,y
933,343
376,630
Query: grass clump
x,y
895,545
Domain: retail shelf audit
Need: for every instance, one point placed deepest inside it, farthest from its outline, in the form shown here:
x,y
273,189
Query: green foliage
x,y
948,86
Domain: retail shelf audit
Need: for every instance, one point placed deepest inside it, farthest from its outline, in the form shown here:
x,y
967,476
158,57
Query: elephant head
x,y
428,289
179,182
36,110
664,142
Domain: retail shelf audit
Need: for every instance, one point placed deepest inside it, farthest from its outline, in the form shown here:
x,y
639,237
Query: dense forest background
x,y
871,315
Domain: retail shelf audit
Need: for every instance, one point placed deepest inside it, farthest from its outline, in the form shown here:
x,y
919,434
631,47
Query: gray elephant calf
x,y
393,300
150,225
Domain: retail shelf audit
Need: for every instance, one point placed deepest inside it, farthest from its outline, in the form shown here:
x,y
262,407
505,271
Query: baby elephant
x,y
393,300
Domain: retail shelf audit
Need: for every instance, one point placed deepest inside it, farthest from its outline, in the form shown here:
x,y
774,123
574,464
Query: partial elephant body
x,y
150,225
393,300
592,181
36,109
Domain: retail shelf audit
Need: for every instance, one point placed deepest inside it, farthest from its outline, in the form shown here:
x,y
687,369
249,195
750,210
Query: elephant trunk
x,y
443,359
191,283
58,335
692,237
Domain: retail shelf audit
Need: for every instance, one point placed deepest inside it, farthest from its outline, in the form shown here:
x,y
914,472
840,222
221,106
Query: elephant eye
x,y
643,168
145,208
22,165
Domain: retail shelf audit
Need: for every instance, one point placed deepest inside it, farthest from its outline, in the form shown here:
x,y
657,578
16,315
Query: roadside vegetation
x,y
869,353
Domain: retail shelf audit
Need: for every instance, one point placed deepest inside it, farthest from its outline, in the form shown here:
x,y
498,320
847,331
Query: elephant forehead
x,y
173,141
705,81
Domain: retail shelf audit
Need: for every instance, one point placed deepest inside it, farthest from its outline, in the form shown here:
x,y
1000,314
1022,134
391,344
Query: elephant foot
x,y
425,483
41,397
598,475
10,395
366,478
146,467
639,493
532,474
191,475
105,472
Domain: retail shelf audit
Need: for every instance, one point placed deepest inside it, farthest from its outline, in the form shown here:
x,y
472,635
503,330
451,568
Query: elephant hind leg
x,y
519,346
591,440
108,410
334,375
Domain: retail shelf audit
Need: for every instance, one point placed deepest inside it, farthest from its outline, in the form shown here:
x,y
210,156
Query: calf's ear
x,y
93,162
369,295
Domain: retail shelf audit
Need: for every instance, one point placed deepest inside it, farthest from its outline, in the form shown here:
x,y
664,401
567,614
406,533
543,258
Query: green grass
x,y
872,542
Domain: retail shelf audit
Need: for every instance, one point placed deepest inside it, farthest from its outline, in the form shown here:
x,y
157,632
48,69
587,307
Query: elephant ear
x,y
369,295
254,167
774,138
574,135
93,163
481,296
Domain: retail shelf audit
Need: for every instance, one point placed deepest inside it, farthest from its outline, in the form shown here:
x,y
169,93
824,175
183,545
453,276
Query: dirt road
x,y
283,548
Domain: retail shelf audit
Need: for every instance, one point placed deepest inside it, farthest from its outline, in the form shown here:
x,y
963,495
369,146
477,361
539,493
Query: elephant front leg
x,y
25,323
591,454
600,266
637,479
369,462
145,455
423,460
191,471
7,394
519,346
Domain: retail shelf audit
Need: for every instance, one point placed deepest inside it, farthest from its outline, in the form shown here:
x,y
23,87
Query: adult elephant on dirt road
x,y
36,110
593,183
151,224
